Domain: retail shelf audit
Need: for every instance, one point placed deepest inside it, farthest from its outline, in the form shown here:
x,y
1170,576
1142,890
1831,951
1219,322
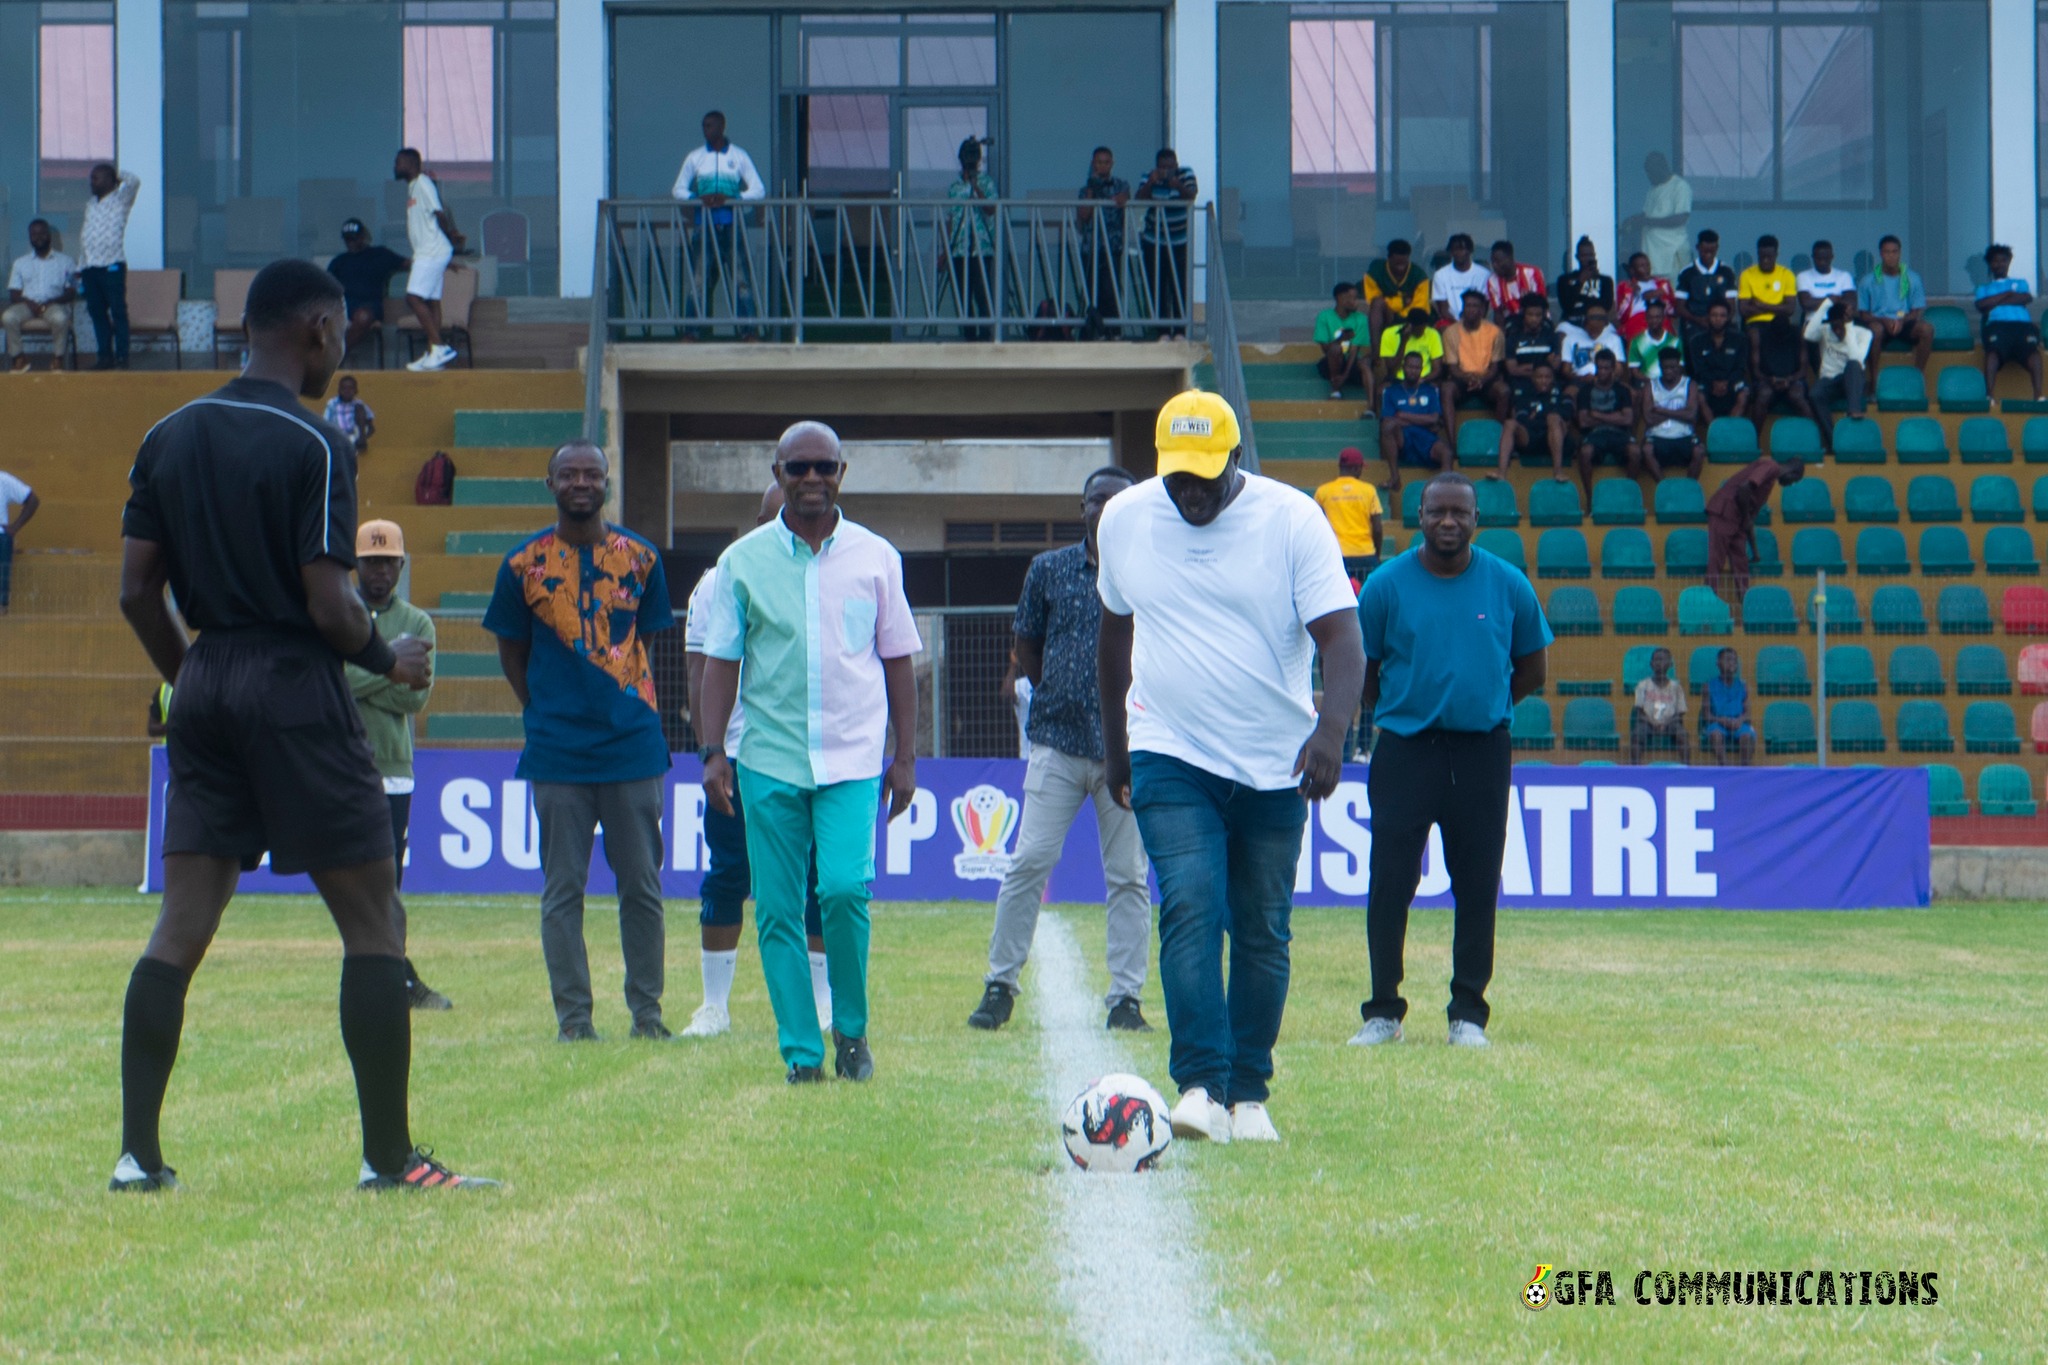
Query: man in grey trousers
x,y
1057,619
572,611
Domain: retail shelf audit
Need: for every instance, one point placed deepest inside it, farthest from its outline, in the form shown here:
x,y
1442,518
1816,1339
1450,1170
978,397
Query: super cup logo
x,y
985,818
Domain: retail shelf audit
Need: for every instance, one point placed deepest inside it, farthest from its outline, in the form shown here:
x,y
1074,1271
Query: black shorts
x,y
267,752
1722,404
1607,443
2013,341
1671,452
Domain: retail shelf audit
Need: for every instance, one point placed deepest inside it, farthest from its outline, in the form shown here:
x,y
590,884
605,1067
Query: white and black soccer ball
x,y
1117,1125
1536,1295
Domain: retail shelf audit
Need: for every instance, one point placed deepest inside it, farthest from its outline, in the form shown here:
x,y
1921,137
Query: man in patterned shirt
x,y
572,609
103,273
1058,618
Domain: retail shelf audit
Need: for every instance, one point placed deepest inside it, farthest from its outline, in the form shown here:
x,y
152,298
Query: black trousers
x,y
1458,780
401,820
106,301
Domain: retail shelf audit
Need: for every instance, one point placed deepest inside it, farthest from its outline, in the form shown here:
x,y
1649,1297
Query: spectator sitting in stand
x,y
1725,718
1580,289
1671,417
365,273
1413,337
1579,345
1845,351
1507,282
1472,359
1353,509
1607,420
1893,304
1394,287
1632,298
1778,368
1447,287
1527,341
1707,281
1542,410
2010,336
1823,280
1768,292
350,415
41,285
1412,422
1658,716
1718,358
1340,332
1654,340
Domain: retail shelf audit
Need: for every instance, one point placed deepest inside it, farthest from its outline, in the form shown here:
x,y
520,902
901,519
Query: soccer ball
x,y
1116,1125
1537,1295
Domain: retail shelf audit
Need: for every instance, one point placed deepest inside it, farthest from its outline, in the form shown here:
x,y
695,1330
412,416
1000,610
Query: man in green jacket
x,y
388,709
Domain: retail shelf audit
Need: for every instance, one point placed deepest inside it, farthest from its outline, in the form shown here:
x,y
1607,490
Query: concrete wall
x,y
68,858
1990,874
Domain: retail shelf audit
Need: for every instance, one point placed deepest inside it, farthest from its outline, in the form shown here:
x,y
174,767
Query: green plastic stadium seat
x,y
1685,553
1766,563
1951,328
1703,663
2005,789
1990,728
1618,502
2009,550
1411,503
1781,672
1915,671
1767,610
1895,610
1639,611
1497,506
1900,388
1702,612
1945,553
1635,665
1963,609
1854,727
1795,436
1932,497
1506,544
1868,497
1815,548
2041,498
1732,440
2024,609
1625,553
1681,502
1923,728
1561,553
1995,498
1858,440
1553,503
1805,503
1981,672
1881,551
1571,610
1530,729
1960,388
1982,440
1851,671
1479,442
1589,725
1945,794
1789,728
1920,440
2034,440
1844,614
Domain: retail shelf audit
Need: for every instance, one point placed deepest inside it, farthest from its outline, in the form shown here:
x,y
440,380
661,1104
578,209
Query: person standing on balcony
x,y
1667,208
1104,246
714,175
103,274
971,240
431,230
1163,242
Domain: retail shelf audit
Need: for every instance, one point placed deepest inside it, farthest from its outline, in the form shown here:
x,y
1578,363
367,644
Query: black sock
x,y
151,1022
376,1028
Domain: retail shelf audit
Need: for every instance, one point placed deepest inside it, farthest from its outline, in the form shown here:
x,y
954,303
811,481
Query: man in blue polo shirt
x,y
2010,336
1453,639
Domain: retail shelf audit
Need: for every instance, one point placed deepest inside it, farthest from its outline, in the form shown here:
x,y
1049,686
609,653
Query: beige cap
x,y
380,538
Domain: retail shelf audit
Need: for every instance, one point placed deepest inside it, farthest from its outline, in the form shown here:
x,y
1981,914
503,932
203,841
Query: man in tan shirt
x,y
1473,353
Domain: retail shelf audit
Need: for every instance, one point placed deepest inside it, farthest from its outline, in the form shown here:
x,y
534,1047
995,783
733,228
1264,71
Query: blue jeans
x,y
1225,855
106,300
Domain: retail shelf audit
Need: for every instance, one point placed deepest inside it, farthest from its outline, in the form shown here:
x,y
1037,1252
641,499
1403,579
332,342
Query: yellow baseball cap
x,y
1195,435
380,538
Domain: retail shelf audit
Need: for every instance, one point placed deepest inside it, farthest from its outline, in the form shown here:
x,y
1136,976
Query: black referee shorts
x,y
267,752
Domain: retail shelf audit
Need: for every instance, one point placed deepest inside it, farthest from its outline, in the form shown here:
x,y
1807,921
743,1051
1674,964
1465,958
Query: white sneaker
x,y
1377,1031
1465,1033
708,1022
1249,1122
436,358
1200,1118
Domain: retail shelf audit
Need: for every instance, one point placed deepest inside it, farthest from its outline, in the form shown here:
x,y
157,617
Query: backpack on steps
x,y
435,486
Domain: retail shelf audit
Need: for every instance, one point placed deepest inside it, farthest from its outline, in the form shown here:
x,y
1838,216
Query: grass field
x,y
1668,1090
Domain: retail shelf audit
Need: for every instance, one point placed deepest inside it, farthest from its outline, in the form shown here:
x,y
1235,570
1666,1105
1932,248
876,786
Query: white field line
x,y
1134,1285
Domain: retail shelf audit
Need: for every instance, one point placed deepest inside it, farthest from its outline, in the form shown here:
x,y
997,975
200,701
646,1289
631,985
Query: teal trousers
x,y
783,824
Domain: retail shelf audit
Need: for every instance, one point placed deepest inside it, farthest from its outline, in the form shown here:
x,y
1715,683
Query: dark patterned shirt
x,y
1060,609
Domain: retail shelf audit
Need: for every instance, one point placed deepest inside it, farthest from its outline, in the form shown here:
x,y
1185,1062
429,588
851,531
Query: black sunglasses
x,y
798,469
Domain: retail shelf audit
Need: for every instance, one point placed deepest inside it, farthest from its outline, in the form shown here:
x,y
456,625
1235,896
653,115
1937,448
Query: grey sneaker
x,y
1465,1033
1377,1031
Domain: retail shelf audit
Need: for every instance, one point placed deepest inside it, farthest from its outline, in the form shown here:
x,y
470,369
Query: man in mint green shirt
x,y
812,604
1341,335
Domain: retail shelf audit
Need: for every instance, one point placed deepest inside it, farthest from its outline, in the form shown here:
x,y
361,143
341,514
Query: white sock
x,y
718,972
821,986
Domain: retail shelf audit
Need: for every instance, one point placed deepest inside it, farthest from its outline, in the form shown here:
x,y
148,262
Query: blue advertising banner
x,y
1740,838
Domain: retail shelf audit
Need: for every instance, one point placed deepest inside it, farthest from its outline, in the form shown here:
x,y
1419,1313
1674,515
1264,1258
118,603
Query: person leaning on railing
x,y
1164,238
970,240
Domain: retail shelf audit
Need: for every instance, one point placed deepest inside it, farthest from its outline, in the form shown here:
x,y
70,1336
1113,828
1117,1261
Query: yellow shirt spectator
x,y
1769,287
1350,504
1395,343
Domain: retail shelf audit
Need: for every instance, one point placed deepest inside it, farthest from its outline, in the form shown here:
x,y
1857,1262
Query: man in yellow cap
x,y
388,708
1218,590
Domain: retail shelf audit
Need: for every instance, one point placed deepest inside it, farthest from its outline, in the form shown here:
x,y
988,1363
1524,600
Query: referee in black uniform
x,y
246,506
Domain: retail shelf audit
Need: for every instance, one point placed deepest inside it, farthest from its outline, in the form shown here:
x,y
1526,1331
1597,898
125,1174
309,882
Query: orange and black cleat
x,y
422,1172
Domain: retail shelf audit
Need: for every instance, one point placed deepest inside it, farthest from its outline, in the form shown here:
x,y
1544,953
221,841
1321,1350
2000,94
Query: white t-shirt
x,y
1827,284
696,630
1578,346
422,229
13,492
1220,653
1449,285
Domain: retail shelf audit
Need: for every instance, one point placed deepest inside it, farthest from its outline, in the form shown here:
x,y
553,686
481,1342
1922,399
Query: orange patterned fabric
x,y
597,619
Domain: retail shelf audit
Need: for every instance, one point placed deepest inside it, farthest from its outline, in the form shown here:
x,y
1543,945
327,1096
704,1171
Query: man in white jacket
x,y
714,175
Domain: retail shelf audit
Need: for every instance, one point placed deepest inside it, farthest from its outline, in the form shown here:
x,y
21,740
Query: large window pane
x,y
1334,105
1726,97
848,141
449,77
